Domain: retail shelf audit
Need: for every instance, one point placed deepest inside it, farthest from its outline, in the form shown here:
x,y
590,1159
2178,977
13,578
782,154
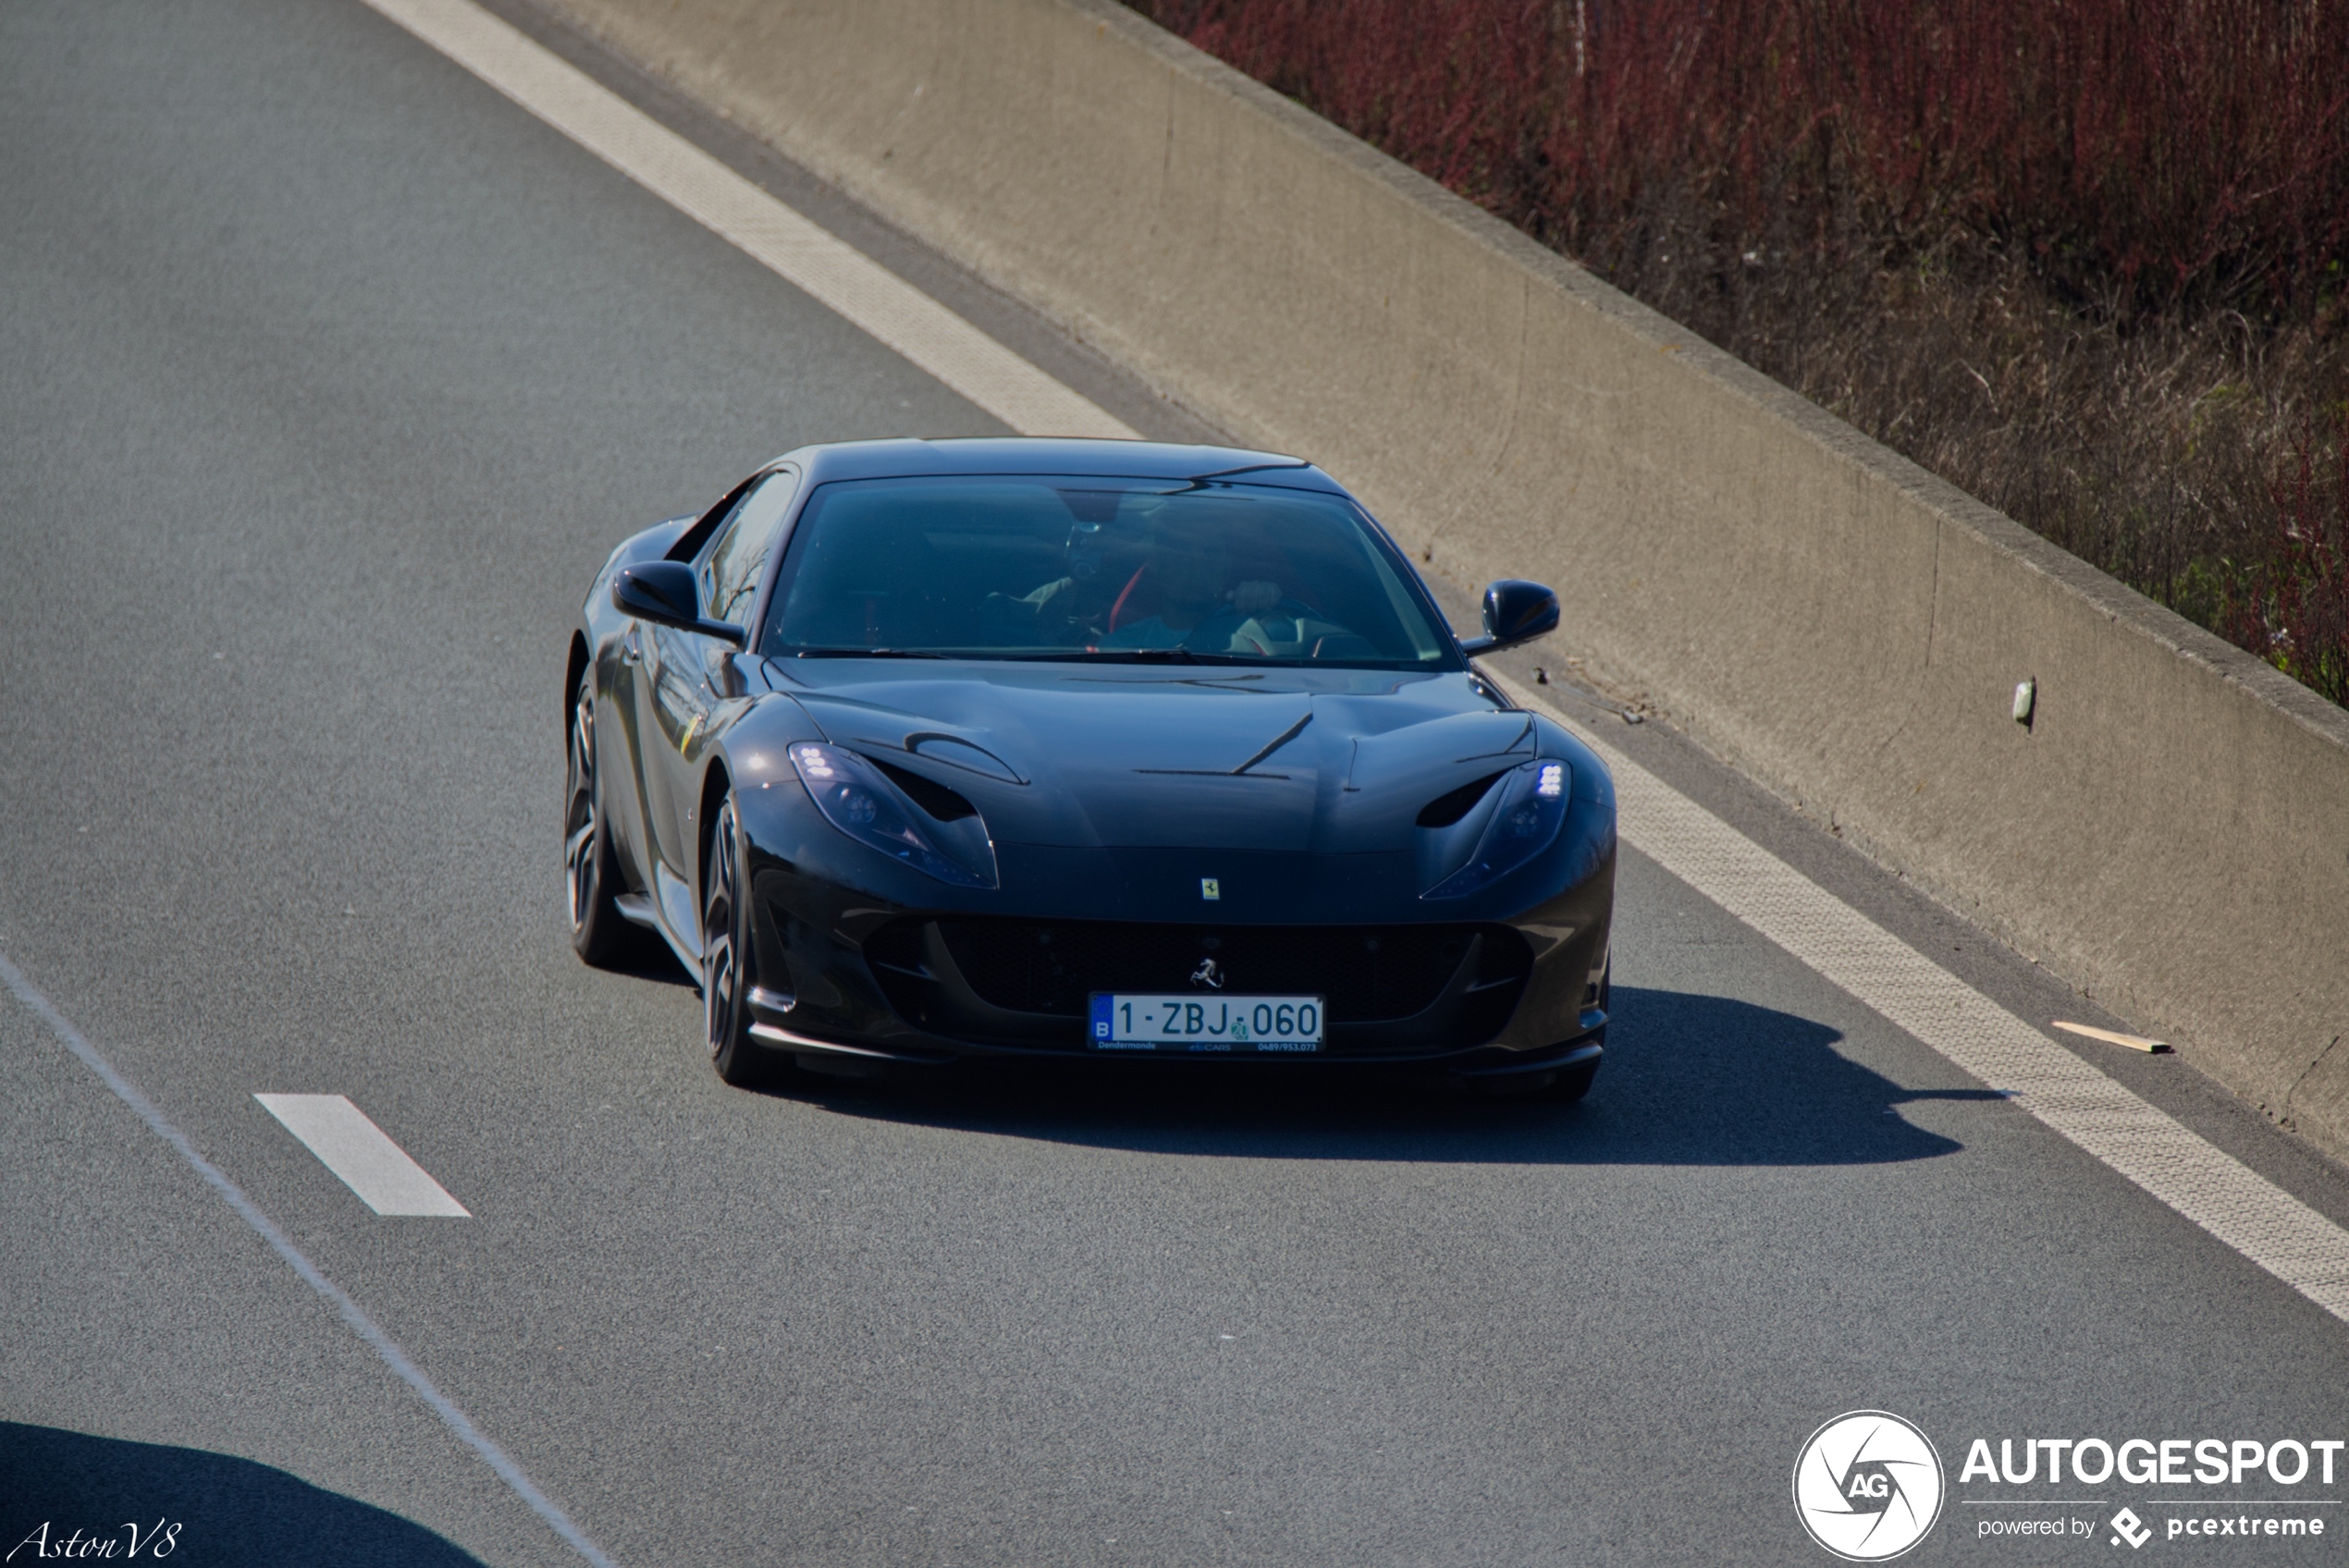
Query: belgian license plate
x,y
1273,1025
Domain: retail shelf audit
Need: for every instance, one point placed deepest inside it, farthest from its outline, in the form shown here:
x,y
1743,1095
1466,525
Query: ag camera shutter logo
x,y
1868,1486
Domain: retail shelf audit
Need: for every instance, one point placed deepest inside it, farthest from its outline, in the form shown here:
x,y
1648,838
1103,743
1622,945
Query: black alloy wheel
x,y
726,968
591,872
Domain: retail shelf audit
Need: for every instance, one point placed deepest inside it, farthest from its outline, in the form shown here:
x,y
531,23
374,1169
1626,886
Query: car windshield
x,y
1028,567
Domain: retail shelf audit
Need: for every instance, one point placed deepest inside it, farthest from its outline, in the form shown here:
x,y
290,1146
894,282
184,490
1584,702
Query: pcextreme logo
x,y
1868,1486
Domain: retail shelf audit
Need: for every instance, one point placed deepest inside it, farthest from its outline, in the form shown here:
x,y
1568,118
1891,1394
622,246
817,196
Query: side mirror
x,y
663,593
1514,612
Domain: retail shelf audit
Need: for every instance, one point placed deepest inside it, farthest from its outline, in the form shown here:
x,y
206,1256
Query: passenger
x,y
1071,608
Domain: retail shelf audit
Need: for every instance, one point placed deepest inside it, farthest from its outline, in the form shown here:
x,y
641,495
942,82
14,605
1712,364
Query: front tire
x,y
728,969
599,933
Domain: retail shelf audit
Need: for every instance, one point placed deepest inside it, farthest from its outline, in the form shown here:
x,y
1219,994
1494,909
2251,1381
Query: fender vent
x,y
1445,810
928,793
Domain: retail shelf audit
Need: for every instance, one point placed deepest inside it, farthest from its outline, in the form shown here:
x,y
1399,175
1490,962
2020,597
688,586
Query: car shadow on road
x,y
1688,1079
228,1510
641,955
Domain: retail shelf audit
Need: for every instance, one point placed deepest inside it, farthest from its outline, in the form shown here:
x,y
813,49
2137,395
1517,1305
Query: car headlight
x,y
856,798
1526,822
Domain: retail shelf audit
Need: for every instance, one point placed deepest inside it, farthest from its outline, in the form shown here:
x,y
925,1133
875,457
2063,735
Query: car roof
x,y
1054,455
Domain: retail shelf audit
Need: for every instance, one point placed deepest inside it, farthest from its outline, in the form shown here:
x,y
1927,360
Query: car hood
x,y
1126,756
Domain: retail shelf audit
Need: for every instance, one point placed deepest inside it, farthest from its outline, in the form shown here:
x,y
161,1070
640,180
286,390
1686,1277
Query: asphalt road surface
x,y
328,377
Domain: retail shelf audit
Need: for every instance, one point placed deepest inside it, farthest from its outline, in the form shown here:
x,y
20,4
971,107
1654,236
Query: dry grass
x,y
2085,260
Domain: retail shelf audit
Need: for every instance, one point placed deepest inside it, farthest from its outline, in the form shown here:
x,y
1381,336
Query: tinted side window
x,y
729,577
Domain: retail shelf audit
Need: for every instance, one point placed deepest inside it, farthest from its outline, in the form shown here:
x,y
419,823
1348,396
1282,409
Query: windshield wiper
x,y
1109,655
1103,656
1169,655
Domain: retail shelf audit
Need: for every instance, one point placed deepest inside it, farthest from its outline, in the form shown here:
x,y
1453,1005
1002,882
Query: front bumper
x,y
851,977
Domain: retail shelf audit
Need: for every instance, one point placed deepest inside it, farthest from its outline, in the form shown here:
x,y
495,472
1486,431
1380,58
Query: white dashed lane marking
x,y
2216,1191
836,274
363,1156
408,1372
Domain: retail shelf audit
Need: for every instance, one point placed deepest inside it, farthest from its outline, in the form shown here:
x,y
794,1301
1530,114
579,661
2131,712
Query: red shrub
x,y
2294,605
2150,153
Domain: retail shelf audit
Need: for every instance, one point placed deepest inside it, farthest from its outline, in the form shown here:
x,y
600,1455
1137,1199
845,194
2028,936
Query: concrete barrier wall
x,y
2173,833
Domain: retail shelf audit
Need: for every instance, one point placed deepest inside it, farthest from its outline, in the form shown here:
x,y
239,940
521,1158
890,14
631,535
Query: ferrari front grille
x,y
1046,970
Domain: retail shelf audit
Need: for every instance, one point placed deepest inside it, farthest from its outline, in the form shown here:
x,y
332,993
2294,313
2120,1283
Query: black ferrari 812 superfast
x,y
920,751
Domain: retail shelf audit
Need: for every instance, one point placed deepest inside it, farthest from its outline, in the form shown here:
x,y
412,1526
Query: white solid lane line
x,y
836,274
359,1152
352,1313
2217,1192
